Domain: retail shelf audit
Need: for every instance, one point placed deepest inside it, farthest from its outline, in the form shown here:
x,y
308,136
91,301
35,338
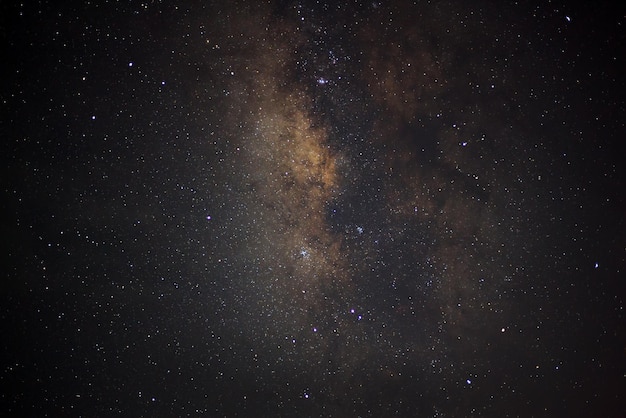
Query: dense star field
x,y
308,208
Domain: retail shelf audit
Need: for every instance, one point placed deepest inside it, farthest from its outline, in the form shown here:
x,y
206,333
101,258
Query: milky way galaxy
x,y
298,208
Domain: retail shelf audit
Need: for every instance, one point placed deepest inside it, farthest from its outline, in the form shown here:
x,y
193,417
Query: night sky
x,y
309,208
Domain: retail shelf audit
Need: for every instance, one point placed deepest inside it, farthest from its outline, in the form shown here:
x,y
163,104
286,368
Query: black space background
x,y
311,209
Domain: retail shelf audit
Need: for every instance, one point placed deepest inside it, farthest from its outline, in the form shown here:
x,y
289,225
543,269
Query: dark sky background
x,y
286,208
